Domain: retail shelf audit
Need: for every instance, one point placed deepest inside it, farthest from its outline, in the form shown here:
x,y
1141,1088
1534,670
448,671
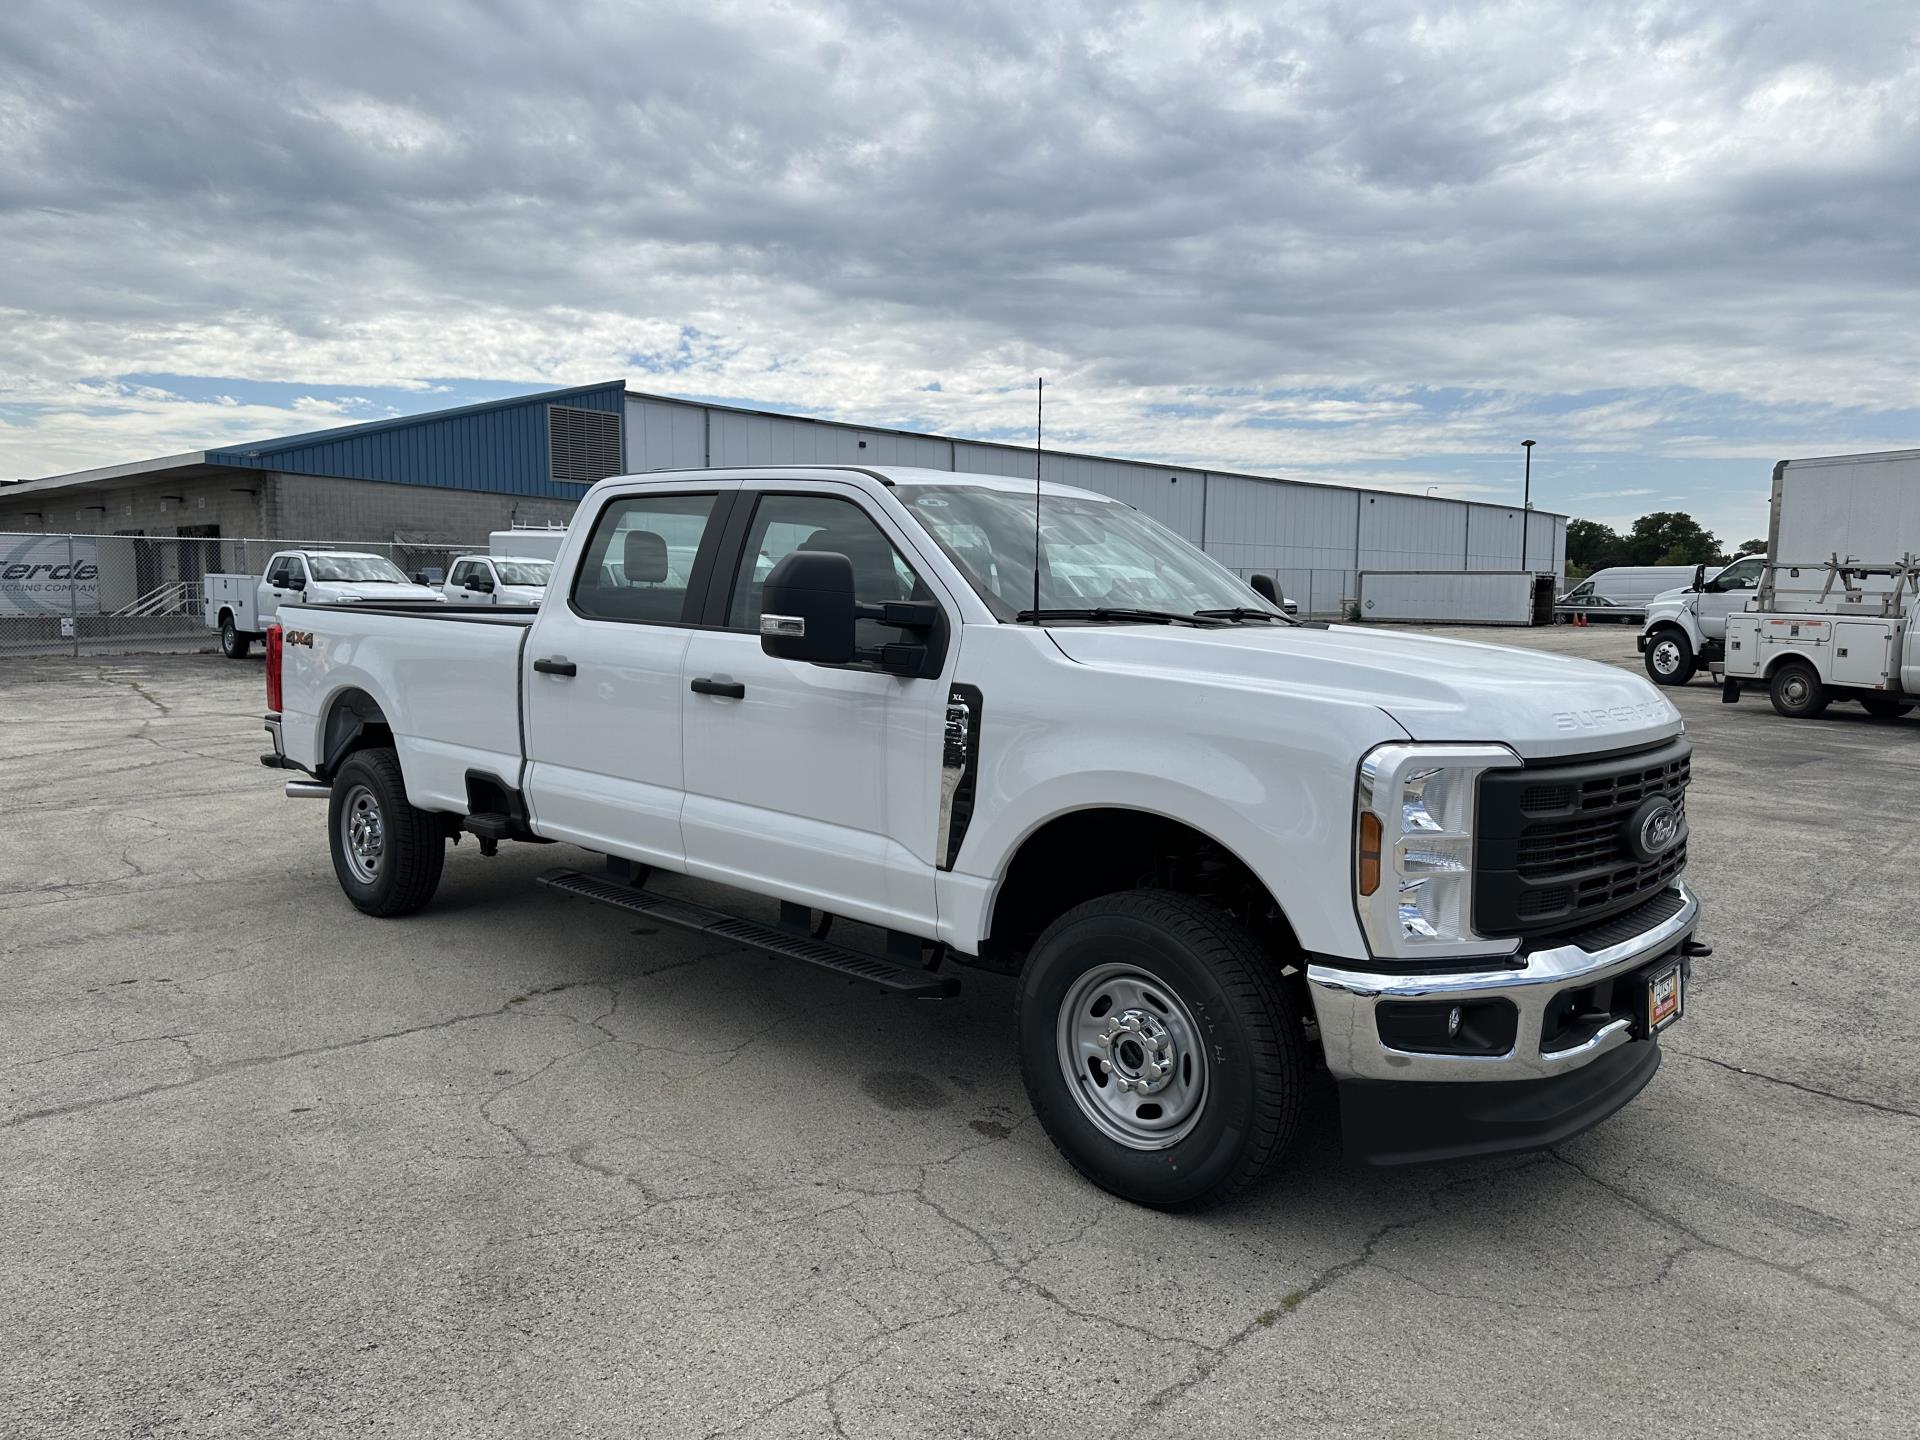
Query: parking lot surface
x,y
518,1166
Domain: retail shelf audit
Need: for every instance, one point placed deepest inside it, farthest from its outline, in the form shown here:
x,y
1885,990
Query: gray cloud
x,y
1701,211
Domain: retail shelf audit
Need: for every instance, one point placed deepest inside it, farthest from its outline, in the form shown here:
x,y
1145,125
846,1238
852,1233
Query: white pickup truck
x,y
241,607
1215,846
497,580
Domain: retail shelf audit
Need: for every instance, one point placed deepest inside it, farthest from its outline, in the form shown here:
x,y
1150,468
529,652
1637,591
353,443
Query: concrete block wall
x,y
316,508
145,506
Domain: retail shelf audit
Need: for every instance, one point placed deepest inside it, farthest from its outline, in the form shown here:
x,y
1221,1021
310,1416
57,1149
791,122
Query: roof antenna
x,y
1039,415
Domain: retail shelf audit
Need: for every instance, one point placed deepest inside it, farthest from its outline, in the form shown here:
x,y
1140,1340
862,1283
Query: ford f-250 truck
x,y
241,607
1214,845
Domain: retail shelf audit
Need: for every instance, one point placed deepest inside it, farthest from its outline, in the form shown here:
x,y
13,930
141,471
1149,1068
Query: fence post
x,y
73,600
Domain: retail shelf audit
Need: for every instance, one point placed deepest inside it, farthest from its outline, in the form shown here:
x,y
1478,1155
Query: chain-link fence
x,y
107,594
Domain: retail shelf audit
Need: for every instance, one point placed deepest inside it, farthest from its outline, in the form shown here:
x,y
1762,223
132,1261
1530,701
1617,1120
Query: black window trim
x,y
719,518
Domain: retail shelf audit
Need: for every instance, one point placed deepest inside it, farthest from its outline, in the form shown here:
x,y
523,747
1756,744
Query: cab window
x,y
1744,575
783,524
639,560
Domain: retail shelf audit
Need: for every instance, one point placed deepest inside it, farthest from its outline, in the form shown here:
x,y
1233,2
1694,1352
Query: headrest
x,y
645,559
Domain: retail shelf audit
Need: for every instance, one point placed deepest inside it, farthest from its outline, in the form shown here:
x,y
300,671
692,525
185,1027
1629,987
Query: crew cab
x,y
241,607
1215,846
497,580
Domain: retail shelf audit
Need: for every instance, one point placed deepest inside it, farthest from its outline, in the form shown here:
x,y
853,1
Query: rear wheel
x,y
1159,1048
1797,692
233,644
1670,657
1886,707
386,854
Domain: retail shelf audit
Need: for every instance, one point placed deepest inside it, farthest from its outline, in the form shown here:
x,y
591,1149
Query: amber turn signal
x,y
1369,853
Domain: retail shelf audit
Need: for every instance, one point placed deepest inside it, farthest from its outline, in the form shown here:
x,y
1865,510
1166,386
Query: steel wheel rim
x,y
1795,689
1666,657
363,834
1129,1052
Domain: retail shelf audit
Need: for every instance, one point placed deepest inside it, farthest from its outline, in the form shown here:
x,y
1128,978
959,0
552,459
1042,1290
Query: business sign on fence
x,y
49,575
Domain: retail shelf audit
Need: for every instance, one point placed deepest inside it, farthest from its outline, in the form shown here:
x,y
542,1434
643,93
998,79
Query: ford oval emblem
x,y
1653,829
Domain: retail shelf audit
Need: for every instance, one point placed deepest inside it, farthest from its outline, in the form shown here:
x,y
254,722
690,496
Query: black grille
x,y
1552,852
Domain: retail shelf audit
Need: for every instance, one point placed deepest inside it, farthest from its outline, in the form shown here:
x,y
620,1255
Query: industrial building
x,y
447,478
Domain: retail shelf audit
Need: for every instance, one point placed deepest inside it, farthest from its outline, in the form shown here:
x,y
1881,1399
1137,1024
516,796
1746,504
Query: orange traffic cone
x,y
1580,619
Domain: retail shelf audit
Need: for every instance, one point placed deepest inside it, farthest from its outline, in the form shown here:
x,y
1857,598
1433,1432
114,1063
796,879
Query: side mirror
x,y
1264,587
807,610
1699,577
480,583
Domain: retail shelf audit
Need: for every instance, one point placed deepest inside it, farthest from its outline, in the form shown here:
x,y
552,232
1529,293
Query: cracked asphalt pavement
x,y
519,1166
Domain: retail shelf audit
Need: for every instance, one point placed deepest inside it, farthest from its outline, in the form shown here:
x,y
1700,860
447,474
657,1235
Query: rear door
x,y
603,679
814,783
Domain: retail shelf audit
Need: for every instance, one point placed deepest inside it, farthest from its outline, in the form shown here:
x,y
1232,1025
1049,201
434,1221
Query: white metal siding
x,y
1494,538
1484,598
1411,532
665,436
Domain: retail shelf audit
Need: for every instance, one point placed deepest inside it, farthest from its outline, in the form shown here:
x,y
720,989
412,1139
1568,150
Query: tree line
x,y
1666,537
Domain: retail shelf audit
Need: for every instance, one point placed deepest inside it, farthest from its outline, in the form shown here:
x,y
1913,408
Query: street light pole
x,y
1526,495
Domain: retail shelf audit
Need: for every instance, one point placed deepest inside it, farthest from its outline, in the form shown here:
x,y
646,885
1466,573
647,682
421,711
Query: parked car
x,y
498,580
1621,592
241,607
1214,845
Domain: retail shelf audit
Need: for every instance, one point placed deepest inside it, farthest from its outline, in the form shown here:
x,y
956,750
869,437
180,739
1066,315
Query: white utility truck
x,y
1834,615
497,580
1215,846
241,607
1686,629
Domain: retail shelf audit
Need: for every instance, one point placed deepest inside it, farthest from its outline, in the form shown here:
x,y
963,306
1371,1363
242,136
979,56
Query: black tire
x,y
395,871
1669,647
1886,707
1797,692
233,644
1251,1049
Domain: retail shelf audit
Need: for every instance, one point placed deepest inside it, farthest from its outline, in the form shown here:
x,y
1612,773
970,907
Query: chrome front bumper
x,y
1344,1001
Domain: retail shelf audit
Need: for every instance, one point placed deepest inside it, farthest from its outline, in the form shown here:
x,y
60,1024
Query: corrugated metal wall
x,y
1314,539
501,447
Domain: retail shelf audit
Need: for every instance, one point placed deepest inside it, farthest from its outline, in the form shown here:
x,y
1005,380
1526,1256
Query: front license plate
x,y
1666,998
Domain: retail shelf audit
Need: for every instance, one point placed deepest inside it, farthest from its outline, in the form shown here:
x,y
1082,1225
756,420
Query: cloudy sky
x,y
1670,242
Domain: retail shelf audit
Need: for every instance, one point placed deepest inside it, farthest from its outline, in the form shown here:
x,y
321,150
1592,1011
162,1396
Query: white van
x,y
1621,592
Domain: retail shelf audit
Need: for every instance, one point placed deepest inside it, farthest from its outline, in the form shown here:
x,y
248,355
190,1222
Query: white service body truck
x,y
1215,846
241,607
1686,629
497,580
1833,615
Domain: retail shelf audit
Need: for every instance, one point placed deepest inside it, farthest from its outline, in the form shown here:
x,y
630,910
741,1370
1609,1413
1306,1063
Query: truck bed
x,y
448,678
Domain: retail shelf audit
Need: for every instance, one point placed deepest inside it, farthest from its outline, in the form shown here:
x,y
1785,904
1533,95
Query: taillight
x,y
273,668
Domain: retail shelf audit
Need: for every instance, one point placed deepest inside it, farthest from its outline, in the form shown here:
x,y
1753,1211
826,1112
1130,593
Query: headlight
x,y
1413,849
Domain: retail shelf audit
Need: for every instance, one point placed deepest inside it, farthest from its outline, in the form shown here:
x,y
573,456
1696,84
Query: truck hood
x,y
1434,688
375,590
522,594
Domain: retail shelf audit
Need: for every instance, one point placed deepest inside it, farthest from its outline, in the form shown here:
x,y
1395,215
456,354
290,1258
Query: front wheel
x,y
1886,707
233,644
1670,657
1159,1048
387,855
1797,692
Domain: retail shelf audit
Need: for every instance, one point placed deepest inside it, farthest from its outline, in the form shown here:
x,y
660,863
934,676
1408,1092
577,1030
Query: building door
x,y
196,560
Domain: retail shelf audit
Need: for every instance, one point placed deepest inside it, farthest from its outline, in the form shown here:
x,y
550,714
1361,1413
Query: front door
x,y
815,783
1727,592
603,676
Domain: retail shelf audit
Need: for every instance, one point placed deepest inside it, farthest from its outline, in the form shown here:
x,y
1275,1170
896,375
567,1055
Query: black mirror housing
x,y
807,609
1699,577
1263,586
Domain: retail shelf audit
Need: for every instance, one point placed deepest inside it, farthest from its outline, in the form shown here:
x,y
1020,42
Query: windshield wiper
x,y
1119,615
1246,612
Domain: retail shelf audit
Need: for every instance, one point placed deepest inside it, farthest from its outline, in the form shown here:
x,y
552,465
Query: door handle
x,y
556,667
729,689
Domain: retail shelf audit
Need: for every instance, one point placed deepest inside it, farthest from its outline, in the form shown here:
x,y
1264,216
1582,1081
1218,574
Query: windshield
x,y
524,572
357,570
1093,553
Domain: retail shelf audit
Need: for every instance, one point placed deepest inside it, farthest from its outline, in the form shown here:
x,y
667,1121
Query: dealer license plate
x,y
1666,998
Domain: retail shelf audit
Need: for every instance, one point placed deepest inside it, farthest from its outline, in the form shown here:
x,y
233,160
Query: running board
x,y
855,964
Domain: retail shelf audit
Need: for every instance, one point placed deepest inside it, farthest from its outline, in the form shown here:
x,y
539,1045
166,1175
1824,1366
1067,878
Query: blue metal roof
x,y
499,446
